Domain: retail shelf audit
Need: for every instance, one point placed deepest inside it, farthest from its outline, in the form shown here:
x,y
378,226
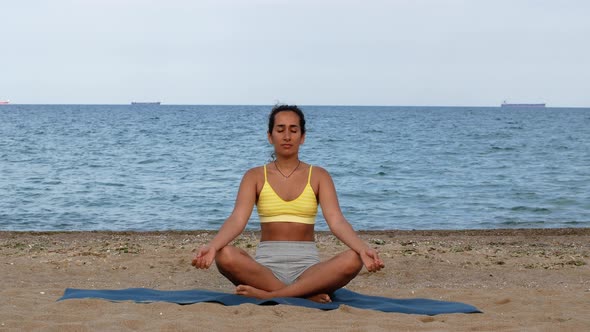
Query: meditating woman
x,y
287,192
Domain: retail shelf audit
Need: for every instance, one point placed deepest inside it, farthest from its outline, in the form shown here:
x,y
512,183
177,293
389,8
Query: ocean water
x,y
124,167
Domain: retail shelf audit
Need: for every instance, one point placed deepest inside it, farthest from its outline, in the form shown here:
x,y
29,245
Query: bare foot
x,y
320,298
253,292
262,294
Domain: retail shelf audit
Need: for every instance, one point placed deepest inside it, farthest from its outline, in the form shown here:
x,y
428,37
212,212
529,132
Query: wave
x,y
522,208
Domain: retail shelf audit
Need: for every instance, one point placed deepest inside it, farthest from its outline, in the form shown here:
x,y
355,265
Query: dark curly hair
x,y
286,108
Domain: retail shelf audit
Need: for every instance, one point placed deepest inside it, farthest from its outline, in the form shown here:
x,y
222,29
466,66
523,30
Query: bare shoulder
x,y
323,185
320,174
254,173
254,176
320,171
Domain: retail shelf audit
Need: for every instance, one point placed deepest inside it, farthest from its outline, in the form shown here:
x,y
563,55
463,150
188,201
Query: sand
x,y
522,280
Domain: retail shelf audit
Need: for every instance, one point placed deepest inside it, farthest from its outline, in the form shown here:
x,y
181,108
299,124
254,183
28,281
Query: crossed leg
x,y
240,268
254,280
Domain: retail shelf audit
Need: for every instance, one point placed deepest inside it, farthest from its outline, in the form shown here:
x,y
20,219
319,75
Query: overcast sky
x,y
310,52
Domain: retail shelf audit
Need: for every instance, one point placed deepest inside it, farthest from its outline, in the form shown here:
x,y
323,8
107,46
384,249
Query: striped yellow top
x,y
272,208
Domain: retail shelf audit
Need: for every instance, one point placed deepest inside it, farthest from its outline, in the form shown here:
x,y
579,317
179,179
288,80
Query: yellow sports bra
x,y
272,208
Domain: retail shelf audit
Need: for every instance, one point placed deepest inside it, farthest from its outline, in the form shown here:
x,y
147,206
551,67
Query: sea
x,y
178,167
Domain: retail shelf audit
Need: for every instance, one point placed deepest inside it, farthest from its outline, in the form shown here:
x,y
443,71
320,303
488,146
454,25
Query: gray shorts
x,y
287,259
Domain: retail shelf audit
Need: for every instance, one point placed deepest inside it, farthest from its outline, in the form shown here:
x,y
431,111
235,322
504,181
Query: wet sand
x,y
522,280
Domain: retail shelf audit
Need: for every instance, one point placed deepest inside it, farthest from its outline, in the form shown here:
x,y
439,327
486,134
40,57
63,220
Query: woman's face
x,y
286,134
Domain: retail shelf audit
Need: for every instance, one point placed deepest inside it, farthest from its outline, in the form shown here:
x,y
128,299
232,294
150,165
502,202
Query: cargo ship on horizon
x,y
534,105
4,102
145,103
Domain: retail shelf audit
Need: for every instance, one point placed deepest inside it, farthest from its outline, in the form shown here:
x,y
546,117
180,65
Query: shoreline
x,y
425,232
522,279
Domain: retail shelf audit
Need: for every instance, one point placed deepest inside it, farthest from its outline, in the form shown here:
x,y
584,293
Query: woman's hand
x,y
204,257
371,260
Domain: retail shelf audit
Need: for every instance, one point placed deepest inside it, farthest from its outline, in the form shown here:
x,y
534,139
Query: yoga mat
x,y
342,296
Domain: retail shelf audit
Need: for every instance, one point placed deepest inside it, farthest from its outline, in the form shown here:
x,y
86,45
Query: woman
x,y
287,192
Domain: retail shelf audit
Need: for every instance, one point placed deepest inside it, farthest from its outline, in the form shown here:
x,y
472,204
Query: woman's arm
x,y
233,225
338,224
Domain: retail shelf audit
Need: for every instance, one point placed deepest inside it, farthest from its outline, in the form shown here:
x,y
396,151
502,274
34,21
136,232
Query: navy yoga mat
x,y
340,297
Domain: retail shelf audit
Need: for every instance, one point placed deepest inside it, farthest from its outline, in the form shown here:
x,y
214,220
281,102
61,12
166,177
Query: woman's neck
x,y
289,173
288,163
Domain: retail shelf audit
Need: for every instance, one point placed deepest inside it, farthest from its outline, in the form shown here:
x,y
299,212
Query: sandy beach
x,y
522,280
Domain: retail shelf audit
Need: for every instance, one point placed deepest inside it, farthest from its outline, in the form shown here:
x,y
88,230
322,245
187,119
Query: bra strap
x,y
309,176
265,180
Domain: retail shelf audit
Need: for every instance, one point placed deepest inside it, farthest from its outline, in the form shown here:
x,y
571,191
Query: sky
x,y
308,52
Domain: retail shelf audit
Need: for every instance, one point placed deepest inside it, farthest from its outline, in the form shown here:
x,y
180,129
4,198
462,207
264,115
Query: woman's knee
x,y
353,263
227,256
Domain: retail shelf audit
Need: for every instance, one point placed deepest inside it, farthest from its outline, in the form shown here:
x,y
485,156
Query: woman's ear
x,y
269,137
